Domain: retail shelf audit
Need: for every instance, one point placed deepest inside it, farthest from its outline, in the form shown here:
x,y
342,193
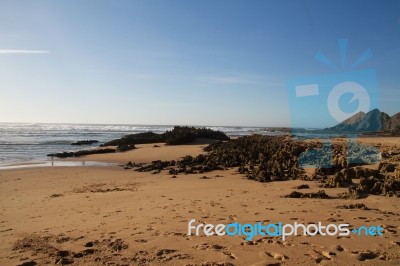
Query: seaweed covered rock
x,y
361,154
354,192
157,165
312,195
84,142
343,178
178,135
363,172
139,138
260,158
387,167
361,206
385,185
122,148
81,153
349,173
182,135
303,186
131,165
333,157
271,158
338,180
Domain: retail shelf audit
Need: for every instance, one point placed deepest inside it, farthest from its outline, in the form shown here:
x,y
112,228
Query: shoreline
x,y
55,163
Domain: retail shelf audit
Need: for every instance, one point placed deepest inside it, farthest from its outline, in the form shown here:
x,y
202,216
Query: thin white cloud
x,y
242,79
236,79
9,51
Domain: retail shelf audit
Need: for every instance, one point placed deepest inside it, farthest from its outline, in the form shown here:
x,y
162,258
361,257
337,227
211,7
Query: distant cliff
x,y
374,120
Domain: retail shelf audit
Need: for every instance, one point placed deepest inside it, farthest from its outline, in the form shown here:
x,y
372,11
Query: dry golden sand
x,y
146,153
130,218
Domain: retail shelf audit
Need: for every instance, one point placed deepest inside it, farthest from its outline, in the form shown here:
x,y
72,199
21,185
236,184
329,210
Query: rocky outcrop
x,y
334,157
84,142
312,195
179,135
387,167
182,135
266,159
373,121
125,147
360,206
338,180
381,181
260,158
133,139
385,185
81,153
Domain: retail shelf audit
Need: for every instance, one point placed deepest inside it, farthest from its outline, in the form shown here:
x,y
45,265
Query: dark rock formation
x,y
182,135
139,138
338,180
387,167
155,165
354,206
303,186
80,153
126,147
334,157
179,135
313,195
363,172
260,158
84,142
131,165
367,255
385,185
267,158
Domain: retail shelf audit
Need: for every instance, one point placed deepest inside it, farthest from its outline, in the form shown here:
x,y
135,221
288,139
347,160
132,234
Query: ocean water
x,y
30,143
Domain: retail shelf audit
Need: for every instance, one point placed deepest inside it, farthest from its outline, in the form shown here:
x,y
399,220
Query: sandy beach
x,y
199,133
112,216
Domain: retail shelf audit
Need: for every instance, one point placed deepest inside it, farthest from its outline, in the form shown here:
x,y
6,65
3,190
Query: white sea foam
x,y
21,142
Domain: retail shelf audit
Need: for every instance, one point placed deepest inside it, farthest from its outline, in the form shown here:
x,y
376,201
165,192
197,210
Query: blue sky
x,y
184,62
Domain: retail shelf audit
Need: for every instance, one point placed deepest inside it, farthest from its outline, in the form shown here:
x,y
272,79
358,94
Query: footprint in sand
x,y
230,255
277,256
216,247
206,246
165,252
267,239
233,217
339,248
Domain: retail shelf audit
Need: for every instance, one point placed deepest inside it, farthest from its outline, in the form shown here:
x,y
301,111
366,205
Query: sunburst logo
x,y
359,95
343,43
327,100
